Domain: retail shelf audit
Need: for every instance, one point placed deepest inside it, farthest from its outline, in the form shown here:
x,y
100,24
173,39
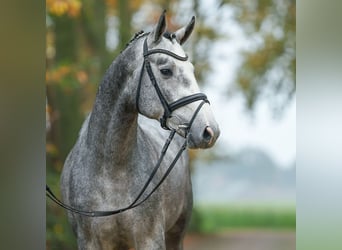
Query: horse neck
x,y
112,127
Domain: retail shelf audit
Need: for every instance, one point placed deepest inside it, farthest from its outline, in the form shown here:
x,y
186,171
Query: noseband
x,y
168,107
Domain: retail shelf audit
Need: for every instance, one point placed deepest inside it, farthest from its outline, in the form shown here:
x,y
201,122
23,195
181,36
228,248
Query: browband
x,y
162,51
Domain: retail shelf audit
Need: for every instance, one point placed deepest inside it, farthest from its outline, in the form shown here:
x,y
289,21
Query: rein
x,y
135,203
168,109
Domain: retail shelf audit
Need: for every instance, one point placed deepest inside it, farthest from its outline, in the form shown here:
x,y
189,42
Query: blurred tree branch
x,y
268,69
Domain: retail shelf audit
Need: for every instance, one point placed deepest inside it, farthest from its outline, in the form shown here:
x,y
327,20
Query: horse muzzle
x,y
204,139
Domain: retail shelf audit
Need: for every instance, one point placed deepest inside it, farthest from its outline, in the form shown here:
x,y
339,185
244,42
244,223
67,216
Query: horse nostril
x,y
208,134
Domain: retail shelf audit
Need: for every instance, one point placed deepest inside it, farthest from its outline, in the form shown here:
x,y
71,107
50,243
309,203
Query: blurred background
x,y
244,58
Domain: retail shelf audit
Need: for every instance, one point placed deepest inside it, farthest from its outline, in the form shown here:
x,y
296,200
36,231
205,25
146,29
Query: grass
x,y
209,219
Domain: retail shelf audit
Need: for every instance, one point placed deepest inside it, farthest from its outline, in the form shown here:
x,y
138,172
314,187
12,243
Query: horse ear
x,y
183,33
160,28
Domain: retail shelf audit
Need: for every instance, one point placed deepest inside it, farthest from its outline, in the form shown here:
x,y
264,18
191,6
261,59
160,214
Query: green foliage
x,y
209,219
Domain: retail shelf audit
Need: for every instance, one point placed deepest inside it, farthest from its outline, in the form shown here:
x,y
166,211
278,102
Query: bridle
x,y
168,109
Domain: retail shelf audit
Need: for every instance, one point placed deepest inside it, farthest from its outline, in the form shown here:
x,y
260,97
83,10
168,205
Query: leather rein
x,y
168,109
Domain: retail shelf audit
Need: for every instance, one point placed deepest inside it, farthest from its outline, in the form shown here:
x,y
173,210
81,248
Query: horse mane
x,y
168,35
136,36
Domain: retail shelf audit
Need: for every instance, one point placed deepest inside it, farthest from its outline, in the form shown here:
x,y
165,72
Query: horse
x,y
151,80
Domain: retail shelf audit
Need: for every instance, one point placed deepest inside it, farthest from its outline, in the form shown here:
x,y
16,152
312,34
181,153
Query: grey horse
x,y
120,142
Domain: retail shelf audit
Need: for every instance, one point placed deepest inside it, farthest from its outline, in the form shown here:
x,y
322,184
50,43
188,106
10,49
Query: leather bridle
x,y
168,109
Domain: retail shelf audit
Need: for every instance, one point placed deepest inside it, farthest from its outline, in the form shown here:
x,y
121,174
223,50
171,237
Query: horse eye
x,y
166,72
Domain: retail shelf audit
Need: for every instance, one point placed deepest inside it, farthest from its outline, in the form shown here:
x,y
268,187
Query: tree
x,y
75,47
268,69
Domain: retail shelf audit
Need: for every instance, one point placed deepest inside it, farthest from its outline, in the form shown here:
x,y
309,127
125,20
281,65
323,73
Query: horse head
x,y
168,90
